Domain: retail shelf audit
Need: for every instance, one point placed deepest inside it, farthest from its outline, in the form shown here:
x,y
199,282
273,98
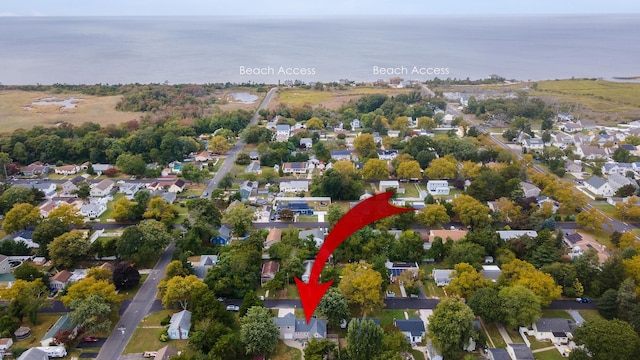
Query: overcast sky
x,y
310,8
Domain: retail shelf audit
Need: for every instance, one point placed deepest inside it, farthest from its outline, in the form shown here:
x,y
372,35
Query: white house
x,y
307,143
316,234
340,155
616,181
442,277
386,184
283,132
103,188
295,167
34,354
92,211
179,325
438,187
177,186
533,144
558,331
53,351
599,186
507,235
413,329
5,344
294,186
66,169
253,168
520,352
355,124
387,154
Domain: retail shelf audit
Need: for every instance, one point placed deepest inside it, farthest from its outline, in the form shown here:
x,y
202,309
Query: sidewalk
x,y
503,332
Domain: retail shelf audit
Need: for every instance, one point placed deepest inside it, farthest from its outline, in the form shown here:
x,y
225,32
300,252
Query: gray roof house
x,y
298,329
529,189
599,186
206,262
507,235
179,325
316,234
34,354
413,329
491,272
442,277
520,352
556,330
498,354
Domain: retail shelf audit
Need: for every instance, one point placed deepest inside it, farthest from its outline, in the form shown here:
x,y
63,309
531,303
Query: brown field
x,y
227,103
330,99
17,111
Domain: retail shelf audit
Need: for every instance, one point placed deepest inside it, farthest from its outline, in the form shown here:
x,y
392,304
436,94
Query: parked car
x,y
90,339
149,354
233,308
583,300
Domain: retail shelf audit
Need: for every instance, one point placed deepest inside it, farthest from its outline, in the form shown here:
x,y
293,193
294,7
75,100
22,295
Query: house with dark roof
x,y
205,263
269,270
298,329
571,239
498,354
253,168
60,280
166,353
520,352
340,155
412,328
297,207
177,186
397,268
223,237
179,325
558,331
295,167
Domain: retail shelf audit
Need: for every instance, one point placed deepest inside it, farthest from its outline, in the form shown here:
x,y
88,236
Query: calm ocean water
x,y
113,50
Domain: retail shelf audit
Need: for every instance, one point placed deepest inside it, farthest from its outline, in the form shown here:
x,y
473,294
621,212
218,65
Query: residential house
x,y
340,155
507,235
355,124
561,140
271,125
26,237
253,155
166,353
397,268
616,181
248,188
253,168
316,234
389,184
63,323
223,237
591,152
588,124
69,186
393,133
491,272
169,197
48,188
306,143
571,166
33,354
297,207
202,156
129,189
92,211
412,328
520,352
101,168
454,235
34,169
498,354
201,267
103,188
558,331
294,186
283,131
274,236
177,186
533,144
298,329
442,277
438,187
529,189
5,344
46,208
269,270
599,186
295,167
387,154
179,325
66,169
60,280
564,116
570,127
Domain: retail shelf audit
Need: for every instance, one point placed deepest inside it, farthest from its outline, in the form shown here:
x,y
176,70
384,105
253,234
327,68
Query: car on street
x,y
583,300
233,308
90,339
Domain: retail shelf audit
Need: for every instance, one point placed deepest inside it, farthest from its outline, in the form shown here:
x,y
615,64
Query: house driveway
x,y
295,344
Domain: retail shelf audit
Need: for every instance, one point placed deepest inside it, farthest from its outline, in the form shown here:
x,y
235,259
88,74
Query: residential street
x,y
136,311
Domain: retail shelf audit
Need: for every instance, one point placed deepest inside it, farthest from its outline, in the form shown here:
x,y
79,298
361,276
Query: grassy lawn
x,y
155,318
590,314
548,355
308,218
283,352
107,214
535,344
292,292
514,334
431,290
550,313
417,355
396,289
602,96
129,294
45,321
386,316
147,339
498,341
299,97
410,191
606,208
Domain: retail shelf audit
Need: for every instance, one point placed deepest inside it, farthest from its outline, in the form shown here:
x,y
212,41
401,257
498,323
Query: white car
x,y
233,308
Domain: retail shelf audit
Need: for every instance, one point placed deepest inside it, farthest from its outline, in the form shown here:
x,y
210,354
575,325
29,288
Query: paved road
x,y
233,153
136,311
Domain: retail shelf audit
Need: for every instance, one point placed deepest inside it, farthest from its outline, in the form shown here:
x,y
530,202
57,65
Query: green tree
x,y
485,303
92,314
68,214
520,306
375,169
409,247
466,281
226,181
626,299
362,286
319,349
83,191
20,217
451,326
180,290
29,272
608,339
250,300
608,304
364,339
193,173
25,298
131,164
46,231
471,212
240,217
334,307
68,248
334,214
258,332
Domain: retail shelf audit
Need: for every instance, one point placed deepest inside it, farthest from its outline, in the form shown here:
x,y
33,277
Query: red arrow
x,y
372,209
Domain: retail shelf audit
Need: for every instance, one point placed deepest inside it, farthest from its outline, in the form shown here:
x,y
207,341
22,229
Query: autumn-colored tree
x,y
344,167
466,280
67,248
628,240
362,286
470,170
400,123
218,144
628,210
519,272
67,214
365,145
375,169
180,290
315,124
427,123
19,217
507,209
100,273
471,211
160,210
433,215
592,219
82,289
409,170
123,209
25,298
442,168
